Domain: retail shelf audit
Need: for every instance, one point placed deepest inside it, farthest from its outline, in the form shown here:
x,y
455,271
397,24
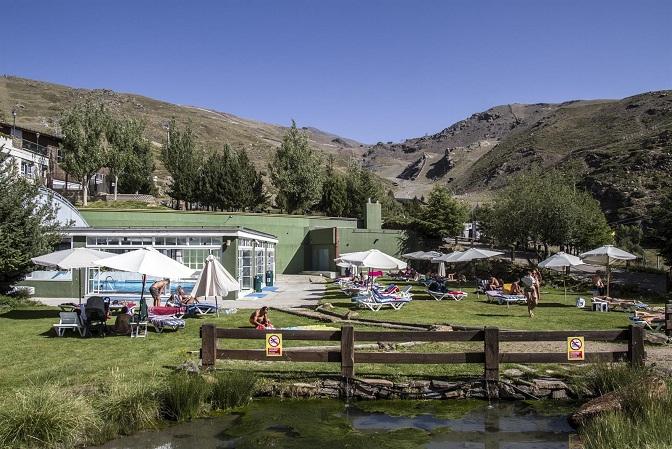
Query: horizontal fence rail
x,y
491,356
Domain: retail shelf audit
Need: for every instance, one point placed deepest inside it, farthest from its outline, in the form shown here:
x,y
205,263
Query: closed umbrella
x,y
561,261
215,281
147,262
607,255
68,259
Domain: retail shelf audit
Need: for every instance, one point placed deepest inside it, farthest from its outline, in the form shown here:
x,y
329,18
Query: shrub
x,y
232,389
46,416
128,406
183,396
603,378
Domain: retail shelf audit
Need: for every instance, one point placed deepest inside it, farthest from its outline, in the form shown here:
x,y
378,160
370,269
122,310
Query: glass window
x,y
181,241
245,268
259,256
270,261
170,241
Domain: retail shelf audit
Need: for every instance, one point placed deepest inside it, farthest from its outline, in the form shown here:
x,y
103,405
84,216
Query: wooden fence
x,y
490,357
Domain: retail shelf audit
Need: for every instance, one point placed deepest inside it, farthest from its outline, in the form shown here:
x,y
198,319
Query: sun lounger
x,y
376,301
162,322
618,305
69,320
201,309
501,298
455,295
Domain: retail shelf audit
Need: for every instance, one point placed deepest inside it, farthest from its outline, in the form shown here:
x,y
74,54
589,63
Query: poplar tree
x,y
84,142
129,155
180,159
334,191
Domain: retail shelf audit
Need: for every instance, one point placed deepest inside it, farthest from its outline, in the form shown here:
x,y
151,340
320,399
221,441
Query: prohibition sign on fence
x,y
273,345
575,348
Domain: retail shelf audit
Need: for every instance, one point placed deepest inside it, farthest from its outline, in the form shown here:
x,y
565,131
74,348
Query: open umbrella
x,y
215,281
475,253
147,262
70,259
561,261
607,255
373,258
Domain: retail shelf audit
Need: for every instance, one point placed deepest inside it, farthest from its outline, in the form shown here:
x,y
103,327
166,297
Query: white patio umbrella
x,y
68,259
607,255
373,258
147,262
449,258
215,281
561,261
415,255
475,253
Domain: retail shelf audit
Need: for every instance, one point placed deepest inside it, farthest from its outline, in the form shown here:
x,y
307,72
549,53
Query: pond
x,y
324,424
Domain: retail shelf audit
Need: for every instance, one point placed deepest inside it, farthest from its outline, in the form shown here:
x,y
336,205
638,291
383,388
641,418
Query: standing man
x,y
157,289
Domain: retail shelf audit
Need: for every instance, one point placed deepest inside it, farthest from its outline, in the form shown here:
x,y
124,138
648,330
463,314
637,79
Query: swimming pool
x,y
110,285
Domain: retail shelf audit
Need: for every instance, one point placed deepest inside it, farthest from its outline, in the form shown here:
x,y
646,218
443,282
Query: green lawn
x,y
553,312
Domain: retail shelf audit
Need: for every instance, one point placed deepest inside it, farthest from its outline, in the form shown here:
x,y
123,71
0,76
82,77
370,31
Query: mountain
x,y
620,150
39,104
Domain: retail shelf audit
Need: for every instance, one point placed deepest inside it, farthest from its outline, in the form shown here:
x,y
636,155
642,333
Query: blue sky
x,y
370,70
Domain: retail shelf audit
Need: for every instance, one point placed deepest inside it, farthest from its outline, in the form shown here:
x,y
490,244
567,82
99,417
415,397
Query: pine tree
x,y
296,173
28,227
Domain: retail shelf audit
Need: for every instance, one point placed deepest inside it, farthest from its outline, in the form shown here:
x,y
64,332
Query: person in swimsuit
x,y
259,319
157,289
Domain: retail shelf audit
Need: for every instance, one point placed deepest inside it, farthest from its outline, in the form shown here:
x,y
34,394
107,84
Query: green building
x,y
247,244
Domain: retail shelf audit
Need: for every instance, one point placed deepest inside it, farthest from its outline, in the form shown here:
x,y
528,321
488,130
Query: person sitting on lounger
x,y
493,284
259,319
183,298
122,325
516,289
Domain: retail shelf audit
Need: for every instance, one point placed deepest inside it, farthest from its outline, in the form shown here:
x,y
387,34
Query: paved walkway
x,y
293,291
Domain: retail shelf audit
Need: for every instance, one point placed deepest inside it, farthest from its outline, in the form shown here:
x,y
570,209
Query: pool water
x,y
325,424
135,286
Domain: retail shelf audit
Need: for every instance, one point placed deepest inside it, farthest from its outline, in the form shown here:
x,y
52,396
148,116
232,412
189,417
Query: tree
x,y
334,191
547,209
443,216
361,185
84,142
663,220
28,227
296,173
180,159
129,155
252,183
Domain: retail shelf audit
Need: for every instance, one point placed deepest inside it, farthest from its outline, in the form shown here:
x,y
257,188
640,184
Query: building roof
x,y
169,231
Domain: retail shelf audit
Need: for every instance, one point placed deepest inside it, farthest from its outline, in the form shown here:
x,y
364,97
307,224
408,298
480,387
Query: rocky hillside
x,y
39,105
621,150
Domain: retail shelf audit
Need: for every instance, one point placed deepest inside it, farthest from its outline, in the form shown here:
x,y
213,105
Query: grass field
x,y
552,313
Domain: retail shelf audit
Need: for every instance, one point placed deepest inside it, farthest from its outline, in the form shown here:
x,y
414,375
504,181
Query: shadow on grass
x,y
30,314
554,305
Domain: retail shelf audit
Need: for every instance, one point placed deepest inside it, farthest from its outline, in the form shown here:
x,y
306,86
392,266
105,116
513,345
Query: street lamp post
x,y
14,122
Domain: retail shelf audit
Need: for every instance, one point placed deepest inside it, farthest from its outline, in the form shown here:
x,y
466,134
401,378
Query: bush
x,y
643,422
128,405
184,396
46,416
232,389
604,378
19,299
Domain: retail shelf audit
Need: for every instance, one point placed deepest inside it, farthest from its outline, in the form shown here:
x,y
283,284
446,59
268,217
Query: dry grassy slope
x,y
40,104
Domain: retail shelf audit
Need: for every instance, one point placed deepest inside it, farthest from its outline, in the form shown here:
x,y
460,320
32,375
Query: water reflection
x,y
310,424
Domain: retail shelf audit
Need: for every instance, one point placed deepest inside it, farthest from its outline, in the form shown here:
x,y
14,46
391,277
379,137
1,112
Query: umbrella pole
x,y
608,278
142,292
80,286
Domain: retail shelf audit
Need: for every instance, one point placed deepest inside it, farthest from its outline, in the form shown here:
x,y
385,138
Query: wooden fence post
x,y
668,319
348,352
208,345
636,346
491,350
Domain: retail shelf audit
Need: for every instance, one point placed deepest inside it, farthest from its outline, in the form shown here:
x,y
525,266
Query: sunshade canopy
x,y
372,258
561,260
148,262
475,253
71,258
214,280
422,255
451,257
606,255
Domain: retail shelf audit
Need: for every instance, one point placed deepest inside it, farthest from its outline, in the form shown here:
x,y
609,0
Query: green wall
x,y
291,230
386,240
